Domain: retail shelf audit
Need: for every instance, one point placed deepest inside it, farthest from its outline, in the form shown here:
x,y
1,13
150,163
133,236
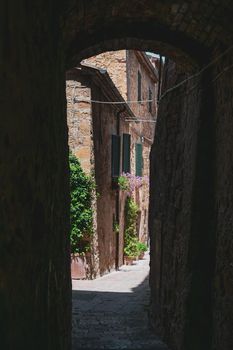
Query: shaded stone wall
x,y
173,161
223,277
35,286
35,304
191,248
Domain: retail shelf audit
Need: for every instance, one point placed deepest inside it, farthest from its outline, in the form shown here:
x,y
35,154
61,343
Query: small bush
x,y
142,247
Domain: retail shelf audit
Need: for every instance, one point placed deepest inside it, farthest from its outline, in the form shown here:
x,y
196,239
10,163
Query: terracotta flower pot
x,y
128,260
141,256
78,266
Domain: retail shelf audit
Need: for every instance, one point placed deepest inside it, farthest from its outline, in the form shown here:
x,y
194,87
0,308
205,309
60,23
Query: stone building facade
x,y
91,126
136,79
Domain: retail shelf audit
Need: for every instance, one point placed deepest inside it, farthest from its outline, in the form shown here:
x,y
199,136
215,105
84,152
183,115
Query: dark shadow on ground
x,y
113,320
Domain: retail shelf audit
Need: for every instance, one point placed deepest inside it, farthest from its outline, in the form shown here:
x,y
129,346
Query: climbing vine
x,y
129,183
81,212
131,247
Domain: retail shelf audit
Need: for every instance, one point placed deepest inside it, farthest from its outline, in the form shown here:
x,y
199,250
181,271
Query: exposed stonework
x,y
90,132
115,63
80,122
123,67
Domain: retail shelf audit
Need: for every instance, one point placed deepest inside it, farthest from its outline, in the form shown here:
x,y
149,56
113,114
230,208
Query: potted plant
x,y
131,250
142,247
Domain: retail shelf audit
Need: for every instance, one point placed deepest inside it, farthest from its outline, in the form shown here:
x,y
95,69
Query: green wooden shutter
x,y
138,158
116,155
126,153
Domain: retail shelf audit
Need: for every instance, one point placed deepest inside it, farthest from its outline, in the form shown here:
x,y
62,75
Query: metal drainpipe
x,y
160,76
118,114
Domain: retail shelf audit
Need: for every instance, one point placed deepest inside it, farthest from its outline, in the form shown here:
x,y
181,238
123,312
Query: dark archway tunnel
x,y
191,175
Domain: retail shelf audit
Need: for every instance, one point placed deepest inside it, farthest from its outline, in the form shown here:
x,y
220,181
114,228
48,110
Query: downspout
x,y
118,116
160,76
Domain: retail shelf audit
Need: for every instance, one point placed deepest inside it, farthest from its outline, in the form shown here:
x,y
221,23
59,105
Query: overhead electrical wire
x,y
172,88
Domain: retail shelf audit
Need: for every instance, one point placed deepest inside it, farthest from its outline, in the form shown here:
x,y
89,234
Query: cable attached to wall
x,y
170,89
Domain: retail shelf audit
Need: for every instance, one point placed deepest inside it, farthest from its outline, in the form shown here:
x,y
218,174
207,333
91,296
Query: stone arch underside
x,y
177,30
38,44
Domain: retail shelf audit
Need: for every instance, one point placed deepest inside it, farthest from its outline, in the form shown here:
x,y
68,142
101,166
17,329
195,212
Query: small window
x,y
150,100
116,155
138,159
126,153
139,86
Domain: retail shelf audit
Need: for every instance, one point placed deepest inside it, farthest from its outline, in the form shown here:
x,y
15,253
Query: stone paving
x,y
111,311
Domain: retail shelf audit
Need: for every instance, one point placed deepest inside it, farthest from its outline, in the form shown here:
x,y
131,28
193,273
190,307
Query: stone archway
x,y
38,43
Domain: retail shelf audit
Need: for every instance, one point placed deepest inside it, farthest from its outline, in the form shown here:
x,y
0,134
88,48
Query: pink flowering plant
x,y
129,182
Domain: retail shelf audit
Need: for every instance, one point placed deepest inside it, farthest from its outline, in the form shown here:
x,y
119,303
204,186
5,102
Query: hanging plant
x,y
129,182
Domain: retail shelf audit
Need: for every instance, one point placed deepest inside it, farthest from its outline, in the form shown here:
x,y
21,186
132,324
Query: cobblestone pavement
x,y
111,311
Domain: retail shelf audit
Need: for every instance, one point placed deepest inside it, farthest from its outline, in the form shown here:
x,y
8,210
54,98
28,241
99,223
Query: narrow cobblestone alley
x,y
111,312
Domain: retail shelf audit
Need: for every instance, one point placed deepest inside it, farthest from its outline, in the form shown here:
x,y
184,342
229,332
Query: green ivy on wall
x,y
82,188
131,247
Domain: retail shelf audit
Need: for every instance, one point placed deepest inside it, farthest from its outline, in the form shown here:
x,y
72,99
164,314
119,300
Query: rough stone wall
x,y
223,277
80,132
79,119
173,158
141,109
141,129
115,63
191,244
104,126
123,67
35,304
35,285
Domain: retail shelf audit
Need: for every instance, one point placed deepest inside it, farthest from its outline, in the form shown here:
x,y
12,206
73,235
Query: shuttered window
x,y
116,145
138,159
126,153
